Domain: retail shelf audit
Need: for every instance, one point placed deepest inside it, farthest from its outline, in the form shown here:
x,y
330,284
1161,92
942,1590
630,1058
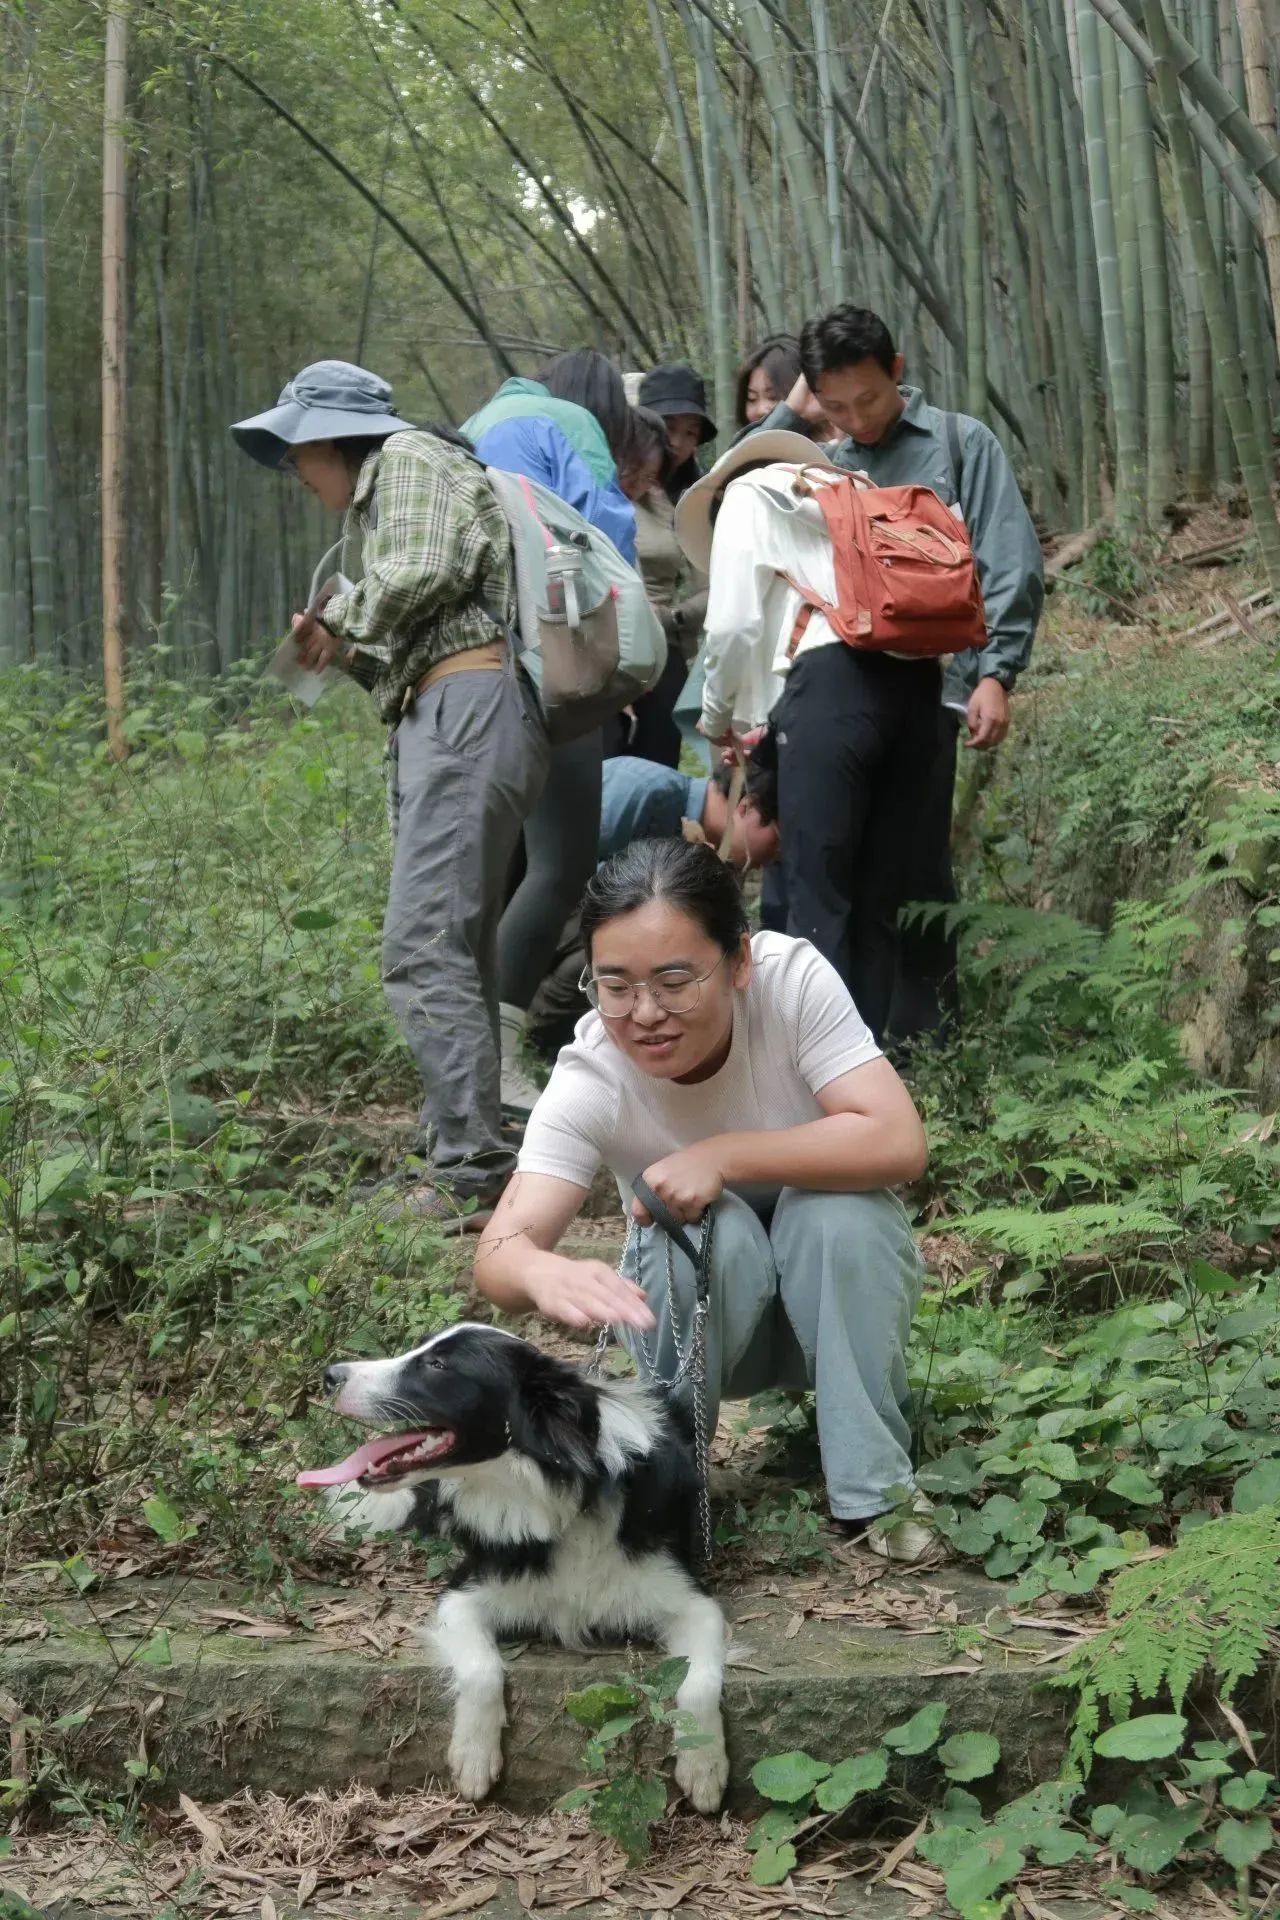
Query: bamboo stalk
x,y
1221,327
722,354
1259,83
762,253
8,517
1074,147
830,157
1074,382
684,147
1129,489
1239,183
114,340
1153,270
974,266
802,180
1204,27
1260,154
1121,116
39,523
1250,321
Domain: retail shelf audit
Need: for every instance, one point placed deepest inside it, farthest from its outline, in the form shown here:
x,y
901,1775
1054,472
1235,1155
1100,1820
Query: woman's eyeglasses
x,y
614,999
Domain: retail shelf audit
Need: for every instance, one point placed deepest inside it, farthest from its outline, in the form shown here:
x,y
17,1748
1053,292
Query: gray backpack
x,y
585,631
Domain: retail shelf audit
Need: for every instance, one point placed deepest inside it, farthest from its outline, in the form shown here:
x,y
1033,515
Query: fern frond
x,y
1047,1238
1211,1603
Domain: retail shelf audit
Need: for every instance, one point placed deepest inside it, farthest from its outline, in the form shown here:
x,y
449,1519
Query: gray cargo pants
x,y
466,765
819,1295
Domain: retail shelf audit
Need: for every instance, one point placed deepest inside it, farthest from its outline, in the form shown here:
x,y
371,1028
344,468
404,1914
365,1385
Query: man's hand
x,y
801,400
988,715
689,1181
587,1293
317,647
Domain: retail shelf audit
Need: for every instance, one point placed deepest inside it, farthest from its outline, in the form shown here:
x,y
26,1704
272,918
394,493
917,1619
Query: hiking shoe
x,y
896,1536
435,1204
906,1541
408,1174
519,1093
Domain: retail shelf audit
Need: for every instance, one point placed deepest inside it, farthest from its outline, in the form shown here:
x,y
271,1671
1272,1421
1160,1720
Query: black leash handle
x,y
663,1217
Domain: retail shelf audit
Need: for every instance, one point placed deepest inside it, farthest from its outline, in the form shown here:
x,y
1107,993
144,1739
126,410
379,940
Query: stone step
x,y
853,1901
304,1709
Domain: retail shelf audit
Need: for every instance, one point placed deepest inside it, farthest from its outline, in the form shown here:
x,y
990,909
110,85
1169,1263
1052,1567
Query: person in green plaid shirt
x,y
427,632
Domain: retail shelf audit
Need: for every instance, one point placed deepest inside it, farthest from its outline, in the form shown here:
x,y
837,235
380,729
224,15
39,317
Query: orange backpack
x,y
905,575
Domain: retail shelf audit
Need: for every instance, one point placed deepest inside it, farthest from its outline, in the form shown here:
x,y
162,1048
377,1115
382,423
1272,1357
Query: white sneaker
x,y
907,1542
518,1092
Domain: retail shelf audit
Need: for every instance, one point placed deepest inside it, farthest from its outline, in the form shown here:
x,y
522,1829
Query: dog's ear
x,y
554,1420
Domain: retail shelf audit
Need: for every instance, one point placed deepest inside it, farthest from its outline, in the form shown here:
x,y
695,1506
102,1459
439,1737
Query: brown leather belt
x,y
486,659
474,660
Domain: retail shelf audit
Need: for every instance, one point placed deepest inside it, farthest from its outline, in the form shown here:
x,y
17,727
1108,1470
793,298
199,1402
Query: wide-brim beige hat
x,y
693,514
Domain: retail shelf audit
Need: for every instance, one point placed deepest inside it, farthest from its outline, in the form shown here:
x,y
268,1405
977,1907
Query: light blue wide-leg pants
x,y
820,1297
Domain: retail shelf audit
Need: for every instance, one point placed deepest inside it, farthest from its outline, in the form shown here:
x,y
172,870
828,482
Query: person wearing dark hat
x,y
427,632
679,395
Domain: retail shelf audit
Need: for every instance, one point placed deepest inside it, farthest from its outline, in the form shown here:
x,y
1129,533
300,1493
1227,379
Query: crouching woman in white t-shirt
x,y
734,1073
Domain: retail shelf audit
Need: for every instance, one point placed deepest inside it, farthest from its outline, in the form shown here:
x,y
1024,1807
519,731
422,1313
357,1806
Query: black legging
x,y
866,767
561,838
654,734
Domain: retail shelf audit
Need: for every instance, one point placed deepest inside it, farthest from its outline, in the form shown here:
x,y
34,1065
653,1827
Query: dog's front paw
x,y
702,1774
475,1761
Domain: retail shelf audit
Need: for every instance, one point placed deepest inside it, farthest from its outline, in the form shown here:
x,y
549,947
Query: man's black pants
x,y
866,773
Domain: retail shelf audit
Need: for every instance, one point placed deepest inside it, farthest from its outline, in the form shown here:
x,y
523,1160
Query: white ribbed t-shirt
x,y
795,1030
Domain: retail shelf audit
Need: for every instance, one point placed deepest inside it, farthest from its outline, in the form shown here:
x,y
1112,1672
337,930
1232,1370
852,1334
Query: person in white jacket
x,y
753,528
860,812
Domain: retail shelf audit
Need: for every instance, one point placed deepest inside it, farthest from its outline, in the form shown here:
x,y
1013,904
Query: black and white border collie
x,y
574,1501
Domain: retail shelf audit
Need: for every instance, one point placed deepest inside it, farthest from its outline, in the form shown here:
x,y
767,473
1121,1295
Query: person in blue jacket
x,y
532,444
567,430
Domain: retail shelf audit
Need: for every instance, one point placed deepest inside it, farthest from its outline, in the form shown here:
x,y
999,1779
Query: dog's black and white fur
x,y
574,1501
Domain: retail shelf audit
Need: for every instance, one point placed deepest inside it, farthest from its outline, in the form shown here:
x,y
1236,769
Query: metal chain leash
x,y
691,1354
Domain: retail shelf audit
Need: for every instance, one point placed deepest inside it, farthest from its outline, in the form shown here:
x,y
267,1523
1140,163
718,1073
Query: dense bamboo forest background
x,y
1069,213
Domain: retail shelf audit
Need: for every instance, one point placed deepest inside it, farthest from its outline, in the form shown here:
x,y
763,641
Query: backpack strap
x,y
840,502
955,451
803,619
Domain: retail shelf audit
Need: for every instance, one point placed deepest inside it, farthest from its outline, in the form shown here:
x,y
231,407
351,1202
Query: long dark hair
x,y
647,435
591,381
686,875
779,359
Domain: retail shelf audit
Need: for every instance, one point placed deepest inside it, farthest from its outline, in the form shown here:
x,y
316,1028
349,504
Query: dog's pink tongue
x,y
358,1463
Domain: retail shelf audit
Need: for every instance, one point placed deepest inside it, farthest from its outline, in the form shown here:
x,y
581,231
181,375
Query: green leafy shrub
x,y
1220,1811
632,1800
1111,579
190,1010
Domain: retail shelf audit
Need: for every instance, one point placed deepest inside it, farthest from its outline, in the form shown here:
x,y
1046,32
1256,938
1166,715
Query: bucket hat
x,y
693,514
329,400
677,389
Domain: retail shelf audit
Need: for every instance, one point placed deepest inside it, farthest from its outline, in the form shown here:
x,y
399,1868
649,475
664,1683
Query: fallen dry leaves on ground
x,y
317,1852
432,1856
